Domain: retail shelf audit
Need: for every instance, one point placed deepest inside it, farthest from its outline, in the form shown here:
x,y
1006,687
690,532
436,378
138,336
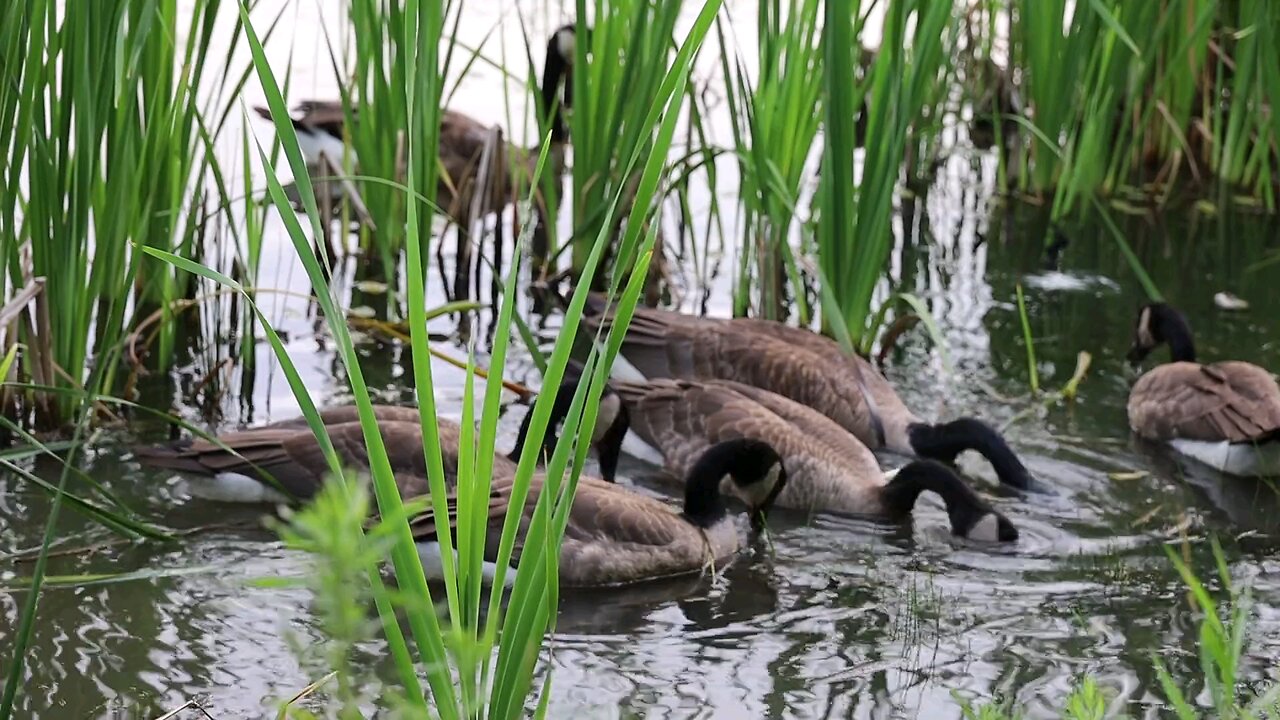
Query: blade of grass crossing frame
x,y
297,385
1033,375
518,651
408,566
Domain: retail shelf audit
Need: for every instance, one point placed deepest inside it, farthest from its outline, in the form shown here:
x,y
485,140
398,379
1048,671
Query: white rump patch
x,y
636,447
1242,459
622,370
318,142
232,487
433,565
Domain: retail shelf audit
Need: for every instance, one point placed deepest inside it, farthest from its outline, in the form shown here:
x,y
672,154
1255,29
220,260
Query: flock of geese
x,y
744,412
747,413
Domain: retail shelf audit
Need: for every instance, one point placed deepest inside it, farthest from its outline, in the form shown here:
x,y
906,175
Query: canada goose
x,y
1226,414
806,367
288,451
829,470
618,537
462,137
606,438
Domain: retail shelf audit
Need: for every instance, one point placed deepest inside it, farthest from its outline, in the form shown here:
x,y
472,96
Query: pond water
x,y
838,618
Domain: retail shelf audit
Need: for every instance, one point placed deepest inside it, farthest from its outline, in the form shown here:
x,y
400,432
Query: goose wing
x,y
289,453
287,456
683,418
326,115
613,536
827,468
462,140
856,368
339,414
1231,401
792,362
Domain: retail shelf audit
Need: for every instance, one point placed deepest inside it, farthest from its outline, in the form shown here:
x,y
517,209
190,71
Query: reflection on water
x,y
832,618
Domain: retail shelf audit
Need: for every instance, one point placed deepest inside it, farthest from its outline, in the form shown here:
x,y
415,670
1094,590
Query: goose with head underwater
x,y
806,367
618,537
828,469
1224,414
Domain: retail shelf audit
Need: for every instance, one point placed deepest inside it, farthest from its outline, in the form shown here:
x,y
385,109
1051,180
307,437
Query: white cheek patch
x,y
756,493
986,530
610,406
566,43
1145,339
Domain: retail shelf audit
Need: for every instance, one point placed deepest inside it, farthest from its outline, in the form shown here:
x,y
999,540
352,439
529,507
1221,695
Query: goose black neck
x,y
553,72
1173,328
964,507
609,444
945,441
559,409
704,505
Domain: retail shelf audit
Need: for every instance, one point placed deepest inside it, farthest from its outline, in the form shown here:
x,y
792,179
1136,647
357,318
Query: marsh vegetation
x,y
974,196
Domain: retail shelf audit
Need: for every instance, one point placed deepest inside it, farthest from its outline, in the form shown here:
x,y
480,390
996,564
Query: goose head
x,y
1157,324
971,516
612,423
754,468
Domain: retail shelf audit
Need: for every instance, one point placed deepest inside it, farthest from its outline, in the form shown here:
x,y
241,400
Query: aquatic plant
x,y
1220,644
482,660
1126,93
630,45
78,134
774,138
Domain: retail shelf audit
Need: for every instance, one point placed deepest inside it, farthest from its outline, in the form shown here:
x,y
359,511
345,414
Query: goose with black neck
x,y
1224,414
808,368
617,537
828,469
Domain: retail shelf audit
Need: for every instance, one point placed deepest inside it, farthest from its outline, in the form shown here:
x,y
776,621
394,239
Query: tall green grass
x,y
94,97
477,663
620,70
1129,93
774,131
